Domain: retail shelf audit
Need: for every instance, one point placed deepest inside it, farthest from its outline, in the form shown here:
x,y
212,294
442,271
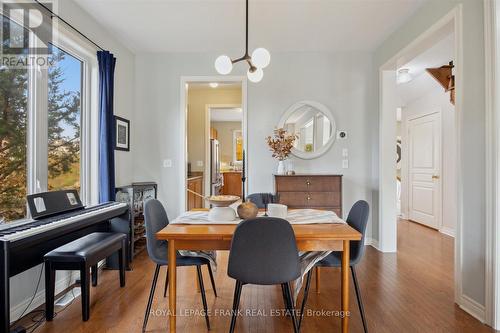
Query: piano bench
x,y
82,254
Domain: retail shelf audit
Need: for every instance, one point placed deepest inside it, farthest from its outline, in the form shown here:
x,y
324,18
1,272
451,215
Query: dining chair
x,y
261,200
264,252
155,219
357,218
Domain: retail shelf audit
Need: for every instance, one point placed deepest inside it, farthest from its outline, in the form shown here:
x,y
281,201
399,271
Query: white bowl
x,y
221,214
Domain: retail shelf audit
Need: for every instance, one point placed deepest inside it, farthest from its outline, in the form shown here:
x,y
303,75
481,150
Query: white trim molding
x,y
472,307
492,144
447,231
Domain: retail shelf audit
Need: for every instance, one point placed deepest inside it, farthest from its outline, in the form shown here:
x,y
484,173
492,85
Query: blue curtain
x,y
106,126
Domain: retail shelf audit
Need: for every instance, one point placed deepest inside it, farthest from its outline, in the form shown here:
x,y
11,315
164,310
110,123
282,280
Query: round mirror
x,y
314,126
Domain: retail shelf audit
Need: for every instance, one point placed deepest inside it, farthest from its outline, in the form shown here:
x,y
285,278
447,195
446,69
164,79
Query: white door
x,y
424,148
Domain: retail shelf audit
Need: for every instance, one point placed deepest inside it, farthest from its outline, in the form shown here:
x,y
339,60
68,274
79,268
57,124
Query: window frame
x,y
37,115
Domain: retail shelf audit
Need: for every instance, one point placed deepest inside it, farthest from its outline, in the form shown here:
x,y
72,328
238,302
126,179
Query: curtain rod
x,y
68,24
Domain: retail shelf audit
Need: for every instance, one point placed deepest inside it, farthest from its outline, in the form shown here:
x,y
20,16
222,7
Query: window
x,y
45,126
13,140
64,121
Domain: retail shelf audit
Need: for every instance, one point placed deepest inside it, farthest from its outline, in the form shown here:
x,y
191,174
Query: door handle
x,y
435,177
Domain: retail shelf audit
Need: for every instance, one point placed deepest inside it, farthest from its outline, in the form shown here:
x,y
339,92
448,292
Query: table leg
x,y
345,288
172,275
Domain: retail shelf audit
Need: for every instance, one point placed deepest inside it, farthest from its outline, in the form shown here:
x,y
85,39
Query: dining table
x,y
209,236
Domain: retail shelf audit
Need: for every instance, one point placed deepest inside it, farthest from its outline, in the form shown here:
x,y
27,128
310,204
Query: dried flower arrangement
x,y
281,143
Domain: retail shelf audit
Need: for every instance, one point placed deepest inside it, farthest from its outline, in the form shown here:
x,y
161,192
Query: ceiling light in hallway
x,y
403,76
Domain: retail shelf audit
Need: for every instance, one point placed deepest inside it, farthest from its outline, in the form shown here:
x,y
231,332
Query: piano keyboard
x,y
24,229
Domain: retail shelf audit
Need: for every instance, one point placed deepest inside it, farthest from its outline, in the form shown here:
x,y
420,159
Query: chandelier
x,y
260,59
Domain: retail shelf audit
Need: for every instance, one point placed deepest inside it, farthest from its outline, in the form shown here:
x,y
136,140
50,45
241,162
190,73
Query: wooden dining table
x,y
309,237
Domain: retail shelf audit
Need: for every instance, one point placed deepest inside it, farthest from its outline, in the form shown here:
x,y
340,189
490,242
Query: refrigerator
x,y
216,180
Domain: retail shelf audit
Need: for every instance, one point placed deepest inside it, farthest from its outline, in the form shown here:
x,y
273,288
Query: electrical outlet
x,y
167,163
199,163
345,164
345,152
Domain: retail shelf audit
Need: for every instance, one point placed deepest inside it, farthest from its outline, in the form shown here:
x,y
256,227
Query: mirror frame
x,y
326,111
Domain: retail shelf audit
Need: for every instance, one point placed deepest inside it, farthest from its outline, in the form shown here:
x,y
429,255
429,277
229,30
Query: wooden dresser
x,y
310,191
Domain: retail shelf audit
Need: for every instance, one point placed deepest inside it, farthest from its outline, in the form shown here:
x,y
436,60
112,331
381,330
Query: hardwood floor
x,y
411,291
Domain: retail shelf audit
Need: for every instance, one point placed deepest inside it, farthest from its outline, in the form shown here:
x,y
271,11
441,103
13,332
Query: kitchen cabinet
x,y
195,184
232,183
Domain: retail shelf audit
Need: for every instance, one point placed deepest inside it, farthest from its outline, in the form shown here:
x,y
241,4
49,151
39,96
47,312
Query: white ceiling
x,y
217,26
438,55
226,114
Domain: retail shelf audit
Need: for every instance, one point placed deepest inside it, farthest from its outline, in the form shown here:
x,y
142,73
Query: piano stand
x,y
29,251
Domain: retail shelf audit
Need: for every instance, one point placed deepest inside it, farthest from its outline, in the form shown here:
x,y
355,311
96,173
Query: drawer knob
x,y
308,197
308,182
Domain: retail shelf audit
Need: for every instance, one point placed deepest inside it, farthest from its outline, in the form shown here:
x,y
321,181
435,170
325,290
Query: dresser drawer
x,y
310,199
308,184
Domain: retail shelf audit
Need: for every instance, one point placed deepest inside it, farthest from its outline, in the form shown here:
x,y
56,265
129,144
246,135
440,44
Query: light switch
x,y
167,163
199,163
345,152
345,164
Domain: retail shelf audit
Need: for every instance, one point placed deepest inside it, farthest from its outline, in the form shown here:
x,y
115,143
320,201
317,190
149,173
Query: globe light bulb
x,y
261,57
223,65
256,75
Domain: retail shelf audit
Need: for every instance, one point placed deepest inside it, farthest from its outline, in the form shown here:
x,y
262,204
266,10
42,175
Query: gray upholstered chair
x,y
262,199
264,252
155,219
357,218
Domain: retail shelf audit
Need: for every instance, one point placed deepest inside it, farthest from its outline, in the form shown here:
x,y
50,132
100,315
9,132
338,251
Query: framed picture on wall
x,y
122,134
237,146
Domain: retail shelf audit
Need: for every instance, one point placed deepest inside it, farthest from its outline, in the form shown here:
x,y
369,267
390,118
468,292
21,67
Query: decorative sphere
x,y
223,65
261,57
247,210
256,76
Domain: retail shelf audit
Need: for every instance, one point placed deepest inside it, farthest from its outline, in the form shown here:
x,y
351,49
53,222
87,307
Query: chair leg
x,y
94,275
304,299
50,282
166,285
292,309
85,288
203,295
236,305
360,301
212,278
151,296
285,300
121,264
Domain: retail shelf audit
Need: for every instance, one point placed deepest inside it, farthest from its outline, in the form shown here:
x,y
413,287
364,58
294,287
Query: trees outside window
x,y
63,117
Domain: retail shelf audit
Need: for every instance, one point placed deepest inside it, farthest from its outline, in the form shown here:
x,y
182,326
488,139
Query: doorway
x,y
433,178
224,158
208,107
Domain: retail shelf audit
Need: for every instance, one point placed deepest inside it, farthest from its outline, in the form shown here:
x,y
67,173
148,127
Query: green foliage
x,y
63,151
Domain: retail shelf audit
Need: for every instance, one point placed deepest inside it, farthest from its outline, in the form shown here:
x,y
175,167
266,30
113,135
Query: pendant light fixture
x,y
260,59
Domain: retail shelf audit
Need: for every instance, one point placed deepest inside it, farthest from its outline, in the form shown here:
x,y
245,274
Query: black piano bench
x,y
82,254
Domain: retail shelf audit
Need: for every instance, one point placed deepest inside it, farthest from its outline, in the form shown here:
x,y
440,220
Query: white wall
x,y
23,285
340,81
435,99
472,120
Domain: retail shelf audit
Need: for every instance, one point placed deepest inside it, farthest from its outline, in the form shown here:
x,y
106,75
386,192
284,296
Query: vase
x,y
290,170
281,168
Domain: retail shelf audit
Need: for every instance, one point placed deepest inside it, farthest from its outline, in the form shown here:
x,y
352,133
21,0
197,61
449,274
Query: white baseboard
x,y
372,242
16,310
473,308
448,231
